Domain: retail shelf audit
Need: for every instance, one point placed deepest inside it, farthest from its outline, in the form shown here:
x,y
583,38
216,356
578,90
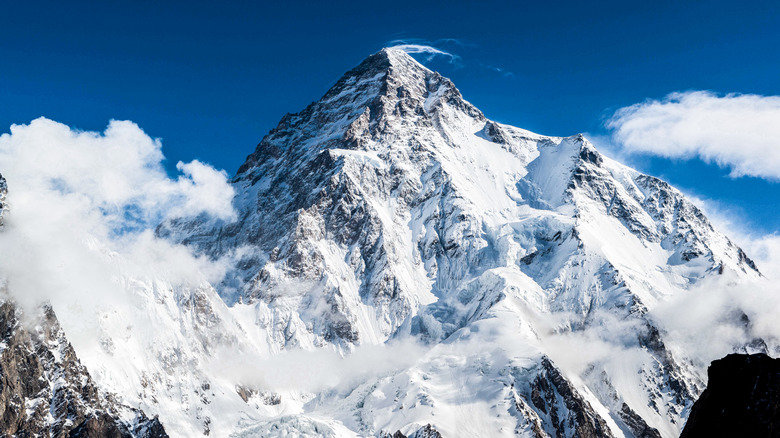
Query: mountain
x,y
477,279
393,208
741,399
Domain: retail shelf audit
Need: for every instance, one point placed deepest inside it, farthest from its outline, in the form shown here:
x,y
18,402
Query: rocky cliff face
x,y
45,391
742,399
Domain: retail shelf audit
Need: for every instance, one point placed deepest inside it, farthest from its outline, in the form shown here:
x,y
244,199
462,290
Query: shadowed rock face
x,y
637,424
573,415
742,399
29,390
45,391
426,431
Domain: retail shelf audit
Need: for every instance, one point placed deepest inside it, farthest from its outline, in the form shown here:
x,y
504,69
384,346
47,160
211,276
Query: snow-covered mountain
x,y
479,280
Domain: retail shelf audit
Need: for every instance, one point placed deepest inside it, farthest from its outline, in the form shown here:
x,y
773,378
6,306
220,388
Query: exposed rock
x,y
98,426
562,408
637,424
742,399
426,431
44,389
397,434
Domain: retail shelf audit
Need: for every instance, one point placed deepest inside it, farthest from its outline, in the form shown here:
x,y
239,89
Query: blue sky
x,y
211,79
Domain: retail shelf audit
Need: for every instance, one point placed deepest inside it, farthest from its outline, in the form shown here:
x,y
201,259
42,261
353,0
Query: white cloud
x,y
313,371
503,72
203,189
426,49
82,209
737,131
707,322
765,250
117,170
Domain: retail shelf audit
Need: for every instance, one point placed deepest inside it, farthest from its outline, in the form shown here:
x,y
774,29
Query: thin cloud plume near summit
x,y
427,49
428,247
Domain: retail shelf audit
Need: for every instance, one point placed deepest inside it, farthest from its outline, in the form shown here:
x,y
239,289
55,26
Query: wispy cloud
x,y
420,48
740,132
445,48
428,48
503,72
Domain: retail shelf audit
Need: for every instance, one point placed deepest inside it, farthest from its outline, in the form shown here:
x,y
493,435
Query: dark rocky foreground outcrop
x,y
45,391
742,399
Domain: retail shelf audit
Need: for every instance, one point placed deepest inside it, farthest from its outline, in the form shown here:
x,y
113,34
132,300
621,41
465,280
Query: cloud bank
x,y
83,207
719,317
736,131
317,370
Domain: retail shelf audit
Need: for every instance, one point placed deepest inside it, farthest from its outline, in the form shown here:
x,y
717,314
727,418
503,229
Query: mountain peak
x,y
389,65
400,58
390,58
386,87
387,62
